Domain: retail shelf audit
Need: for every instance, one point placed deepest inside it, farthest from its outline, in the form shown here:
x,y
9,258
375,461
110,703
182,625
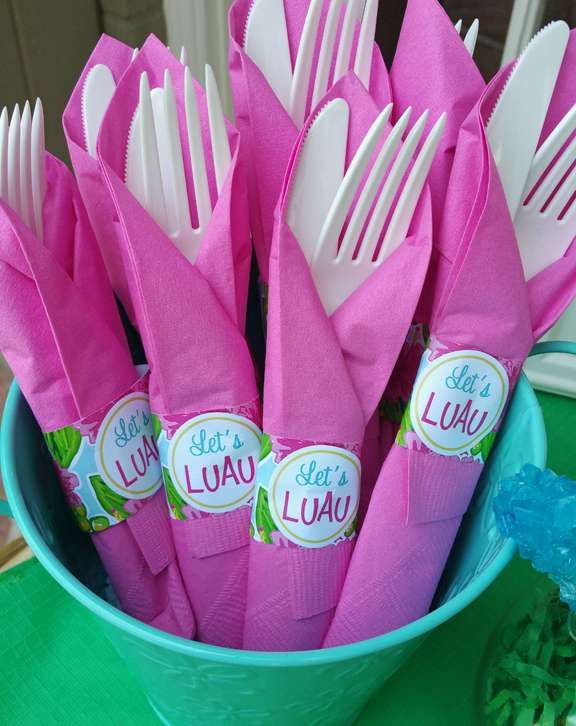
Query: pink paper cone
x,y
343,365
190,318
267,130
420,496
68,376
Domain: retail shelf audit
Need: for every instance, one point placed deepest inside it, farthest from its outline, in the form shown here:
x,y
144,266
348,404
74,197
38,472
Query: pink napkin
x,y
431,70
324,377
116,56
422,494
267,130
62,339
190,318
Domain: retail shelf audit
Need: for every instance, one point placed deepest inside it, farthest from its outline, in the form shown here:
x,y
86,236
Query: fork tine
x,y
562,196
368,194
546,153
37,167
25,166
4,154
391,186
14,160
196,147
353,13
303,65
363,60
152,180
472,36
327,242
183,55
402,216
178,193
554,177
218,134
326,51
458,26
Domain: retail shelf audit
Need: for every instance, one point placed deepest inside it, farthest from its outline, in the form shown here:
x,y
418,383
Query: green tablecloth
x,y
57,668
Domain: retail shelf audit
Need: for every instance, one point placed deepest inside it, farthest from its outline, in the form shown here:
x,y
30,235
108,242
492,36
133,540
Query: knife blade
x,y
97,93
515,125
319,172
266,43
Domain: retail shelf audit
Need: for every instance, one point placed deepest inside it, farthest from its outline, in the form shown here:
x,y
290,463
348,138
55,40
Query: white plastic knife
x,y
97,93
320,169
516,122
266,43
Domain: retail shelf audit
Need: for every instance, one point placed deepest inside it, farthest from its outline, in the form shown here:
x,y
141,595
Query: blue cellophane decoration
x,y
537,509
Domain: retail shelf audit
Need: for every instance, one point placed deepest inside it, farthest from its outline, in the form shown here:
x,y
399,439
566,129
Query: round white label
x,y
313,494
126,451
457,400
212,460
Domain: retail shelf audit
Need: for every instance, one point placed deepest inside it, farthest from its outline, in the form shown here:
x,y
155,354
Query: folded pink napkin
x,y
267,131
202,385
61,338
116,56
431,70
324,377
481,332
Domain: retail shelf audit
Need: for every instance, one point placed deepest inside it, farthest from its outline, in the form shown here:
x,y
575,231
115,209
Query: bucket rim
x,y
129,625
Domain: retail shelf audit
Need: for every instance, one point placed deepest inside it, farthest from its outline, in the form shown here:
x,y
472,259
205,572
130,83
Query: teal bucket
x,y
188,682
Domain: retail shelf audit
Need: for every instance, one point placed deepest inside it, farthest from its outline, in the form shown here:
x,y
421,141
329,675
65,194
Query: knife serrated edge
x,y
247,23
515,68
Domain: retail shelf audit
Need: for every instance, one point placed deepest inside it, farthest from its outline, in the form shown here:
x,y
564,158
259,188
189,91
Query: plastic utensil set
x,y
339,269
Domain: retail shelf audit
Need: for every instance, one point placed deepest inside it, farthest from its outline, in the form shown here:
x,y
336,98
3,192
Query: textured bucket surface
x,y
189,682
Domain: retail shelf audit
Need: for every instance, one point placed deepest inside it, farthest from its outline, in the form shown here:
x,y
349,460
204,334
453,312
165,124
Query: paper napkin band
x,y
108,463
307,494
457,402
209,462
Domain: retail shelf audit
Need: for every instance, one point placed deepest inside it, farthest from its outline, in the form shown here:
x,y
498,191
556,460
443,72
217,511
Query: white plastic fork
x,y
303,65
156,174
338,272
22,182
326,50
354,10
363,60
364,10
543,234
471,36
